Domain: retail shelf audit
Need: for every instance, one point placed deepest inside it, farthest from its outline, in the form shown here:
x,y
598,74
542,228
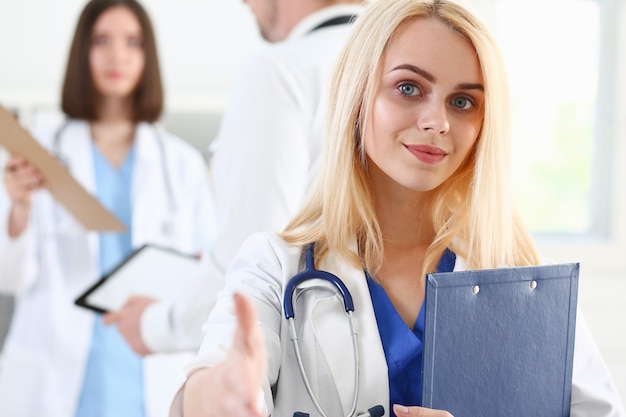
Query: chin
x,y
118,92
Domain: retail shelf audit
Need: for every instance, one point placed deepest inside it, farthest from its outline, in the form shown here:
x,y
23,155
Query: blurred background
x,y
566,61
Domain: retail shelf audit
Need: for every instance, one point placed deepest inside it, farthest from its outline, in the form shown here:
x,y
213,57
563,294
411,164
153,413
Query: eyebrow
x,y
431,78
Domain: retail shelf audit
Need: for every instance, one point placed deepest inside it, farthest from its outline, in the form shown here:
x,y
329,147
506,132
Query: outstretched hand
x,y
231,388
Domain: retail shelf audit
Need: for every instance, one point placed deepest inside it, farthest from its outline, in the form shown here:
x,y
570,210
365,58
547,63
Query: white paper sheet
x,y
151,271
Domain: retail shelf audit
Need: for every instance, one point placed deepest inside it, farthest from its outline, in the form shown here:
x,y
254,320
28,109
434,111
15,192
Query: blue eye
x,y
408,89
462,103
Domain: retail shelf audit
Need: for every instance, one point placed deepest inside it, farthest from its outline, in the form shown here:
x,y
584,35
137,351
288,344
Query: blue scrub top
x,y
113,381
403,346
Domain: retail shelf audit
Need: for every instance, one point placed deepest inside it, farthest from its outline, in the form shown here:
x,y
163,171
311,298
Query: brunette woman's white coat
x,y
55,259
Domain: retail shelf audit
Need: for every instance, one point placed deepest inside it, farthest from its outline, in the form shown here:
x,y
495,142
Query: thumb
x,y
249,346
246,325
109,318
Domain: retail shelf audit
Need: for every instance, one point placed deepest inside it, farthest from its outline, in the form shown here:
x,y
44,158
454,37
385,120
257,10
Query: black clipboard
x,y
151,270
500,342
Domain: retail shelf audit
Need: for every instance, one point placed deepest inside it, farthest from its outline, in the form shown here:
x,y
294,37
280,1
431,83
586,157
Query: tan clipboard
x,y
65,189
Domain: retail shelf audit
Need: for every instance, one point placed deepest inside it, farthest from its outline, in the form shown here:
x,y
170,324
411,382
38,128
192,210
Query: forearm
x,y
19,216
18,265
194,403
175,326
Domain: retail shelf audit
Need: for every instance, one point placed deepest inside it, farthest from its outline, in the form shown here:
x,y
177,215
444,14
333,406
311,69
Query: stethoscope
x,y
168,226
311,273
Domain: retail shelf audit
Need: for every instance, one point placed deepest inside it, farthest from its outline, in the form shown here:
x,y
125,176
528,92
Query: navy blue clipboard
x,y
500,342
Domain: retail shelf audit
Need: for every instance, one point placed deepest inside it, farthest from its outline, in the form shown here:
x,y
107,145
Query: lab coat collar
x,y
322,15
145,142
75,139
149,194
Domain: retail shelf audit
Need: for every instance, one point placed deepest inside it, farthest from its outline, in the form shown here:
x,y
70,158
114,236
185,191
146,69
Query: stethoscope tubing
x,y
169,189
311,273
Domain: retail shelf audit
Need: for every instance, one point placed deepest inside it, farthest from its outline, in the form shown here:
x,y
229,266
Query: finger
x,y
15,171
16,162
404,411
10,169
246,322
248,350
110,318
140,300
27,182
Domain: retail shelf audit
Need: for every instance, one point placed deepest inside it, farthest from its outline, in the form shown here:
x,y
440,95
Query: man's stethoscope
x,y
310,273
168,224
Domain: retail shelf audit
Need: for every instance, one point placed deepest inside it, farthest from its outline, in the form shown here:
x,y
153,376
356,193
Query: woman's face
x,y
116,55
427,110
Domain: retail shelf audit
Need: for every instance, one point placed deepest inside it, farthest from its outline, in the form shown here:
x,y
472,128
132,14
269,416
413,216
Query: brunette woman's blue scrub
x,y
403,346
113,382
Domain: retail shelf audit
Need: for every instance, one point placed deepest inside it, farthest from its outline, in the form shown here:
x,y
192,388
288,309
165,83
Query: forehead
x,y
117,18
434,47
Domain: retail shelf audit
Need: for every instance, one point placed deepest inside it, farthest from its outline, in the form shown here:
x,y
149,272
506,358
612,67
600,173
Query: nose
x,y
433,117
119,51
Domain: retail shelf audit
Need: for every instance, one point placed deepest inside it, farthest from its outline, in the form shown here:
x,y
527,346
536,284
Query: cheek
x,y
95,66
384,123
141,62
94,62
389,116
468,140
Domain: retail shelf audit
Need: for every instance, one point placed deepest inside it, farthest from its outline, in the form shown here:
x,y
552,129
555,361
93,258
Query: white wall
x,y
605,257
202,43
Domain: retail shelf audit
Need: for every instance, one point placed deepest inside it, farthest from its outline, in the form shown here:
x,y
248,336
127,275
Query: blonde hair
x,y
472,211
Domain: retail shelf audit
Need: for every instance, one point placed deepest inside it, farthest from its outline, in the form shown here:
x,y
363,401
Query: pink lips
x,y
114,74
426,153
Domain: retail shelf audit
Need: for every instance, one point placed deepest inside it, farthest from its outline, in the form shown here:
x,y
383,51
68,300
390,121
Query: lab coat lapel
x,y
335,341
146,157
76,141
149,201
75,145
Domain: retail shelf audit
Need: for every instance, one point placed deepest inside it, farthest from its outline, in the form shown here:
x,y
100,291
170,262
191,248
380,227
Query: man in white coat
x,y
263,159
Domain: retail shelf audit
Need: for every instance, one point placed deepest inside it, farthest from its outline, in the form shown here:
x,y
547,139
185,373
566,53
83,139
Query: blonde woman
x,y
414,181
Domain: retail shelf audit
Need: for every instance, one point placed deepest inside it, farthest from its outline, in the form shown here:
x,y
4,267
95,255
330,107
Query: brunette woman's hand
x,y
403,411
128,321
231,388
20,179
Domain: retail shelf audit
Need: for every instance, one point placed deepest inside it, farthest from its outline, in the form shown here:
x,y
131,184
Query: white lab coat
x,y
55,259
263,160
261,270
